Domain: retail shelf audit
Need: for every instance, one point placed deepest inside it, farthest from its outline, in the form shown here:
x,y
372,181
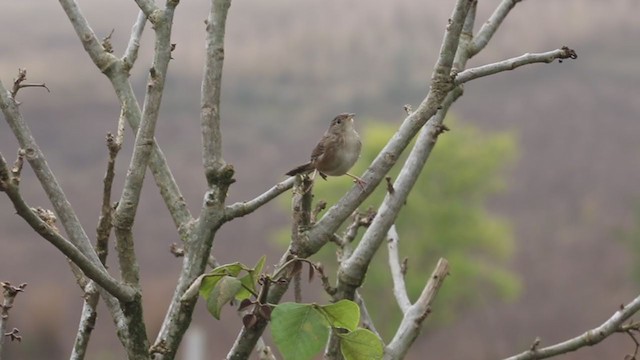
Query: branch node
x,y
106,42
536,343
13,335
390,188
19,83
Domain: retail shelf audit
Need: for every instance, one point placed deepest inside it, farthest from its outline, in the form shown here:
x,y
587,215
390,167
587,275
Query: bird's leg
x,y
312,177
361,183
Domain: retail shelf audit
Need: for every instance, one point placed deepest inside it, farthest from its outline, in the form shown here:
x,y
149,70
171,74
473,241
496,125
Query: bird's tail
x,y
305,168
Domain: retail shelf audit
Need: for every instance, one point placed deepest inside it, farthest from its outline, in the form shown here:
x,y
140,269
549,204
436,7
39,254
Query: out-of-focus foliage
x,y
445,216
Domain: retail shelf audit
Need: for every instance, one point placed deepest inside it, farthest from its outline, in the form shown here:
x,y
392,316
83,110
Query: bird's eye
x,y
339,121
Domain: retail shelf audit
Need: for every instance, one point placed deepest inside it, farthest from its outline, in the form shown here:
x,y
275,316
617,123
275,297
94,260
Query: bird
x,y
336,152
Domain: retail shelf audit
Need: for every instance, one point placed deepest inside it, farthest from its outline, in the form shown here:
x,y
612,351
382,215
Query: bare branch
x,y
365,318
513,63
87,322
91,294
19,83
131,53
9,293
589,338
92,45
246,207
210,92
150,9
410,326
490,27
399,287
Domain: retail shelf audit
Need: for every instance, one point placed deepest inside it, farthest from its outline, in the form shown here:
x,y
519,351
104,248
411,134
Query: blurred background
x,y
533,195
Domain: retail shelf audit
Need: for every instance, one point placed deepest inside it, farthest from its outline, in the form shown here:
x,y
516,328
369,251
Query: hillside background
x,y
290,66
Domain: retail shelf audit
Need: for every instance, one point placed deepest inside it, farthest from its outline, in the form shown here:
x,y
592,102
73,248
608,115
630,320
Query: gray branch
x,y
9,293
490,27
514,63
131,53
210,92
589,338
246,207
399,287
409,328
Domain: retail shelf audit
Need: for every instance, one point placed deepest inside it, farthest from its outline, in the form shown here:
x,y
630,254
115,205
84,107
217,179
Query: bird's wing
x,y
319,150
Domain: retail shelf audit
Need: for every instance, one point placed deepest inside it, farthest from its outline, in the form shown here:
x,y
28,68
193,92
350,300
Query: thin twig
x,y
246,207
131,53
19,83
365,318
514,63
589,338
9,293
399,286
490,27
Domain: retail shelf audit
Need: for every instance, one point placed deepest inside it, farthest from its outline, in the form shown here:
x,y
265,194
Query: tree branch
x,y
247,207
410,326
399,287
490,27
9,293
365,318
589,338
514,63
150,9
131,53
91,292
210,92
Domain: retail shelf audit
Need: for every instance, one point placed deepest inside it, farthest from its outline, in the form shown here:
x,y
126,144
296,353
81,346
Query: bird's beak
x,y
351,115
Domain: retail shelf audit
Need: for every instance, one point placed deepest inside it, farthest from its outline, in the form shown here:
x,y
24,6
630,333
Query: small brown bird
x,y
336,152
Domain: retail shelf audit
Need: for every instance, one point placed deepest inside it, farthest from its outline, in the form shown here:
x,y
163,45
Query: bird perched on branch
x,y
336,152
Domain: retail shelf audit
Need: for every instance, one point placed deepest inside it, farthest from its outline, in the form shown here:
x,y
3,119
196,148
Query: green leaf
x,y
259,265
211,279
361,344
225,291
250,280
299,330
344,314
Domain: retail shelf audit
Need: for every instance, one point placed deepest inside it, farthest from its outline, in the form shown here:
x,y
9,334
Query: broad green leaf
x,y
211,279
344,314
225,290
299,330
250,280
361,344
